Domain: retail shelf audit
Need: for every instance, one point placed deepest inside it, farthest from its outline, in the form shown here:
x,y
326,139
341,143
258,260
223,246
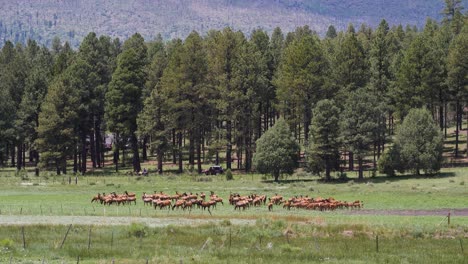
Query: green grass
x,y
264,242
316,237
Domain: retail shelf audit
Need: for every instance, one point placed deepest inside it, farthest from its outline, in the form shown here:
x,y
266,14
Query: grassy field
x,y
313,236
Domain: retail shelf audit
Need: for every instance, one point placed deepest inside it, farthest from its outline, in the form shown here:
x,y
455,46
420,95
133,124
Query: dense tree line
x,y
210,98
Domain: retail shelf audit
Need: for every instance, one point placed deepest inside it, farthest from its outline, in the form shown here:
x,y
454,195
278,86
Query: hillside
x,y
72,19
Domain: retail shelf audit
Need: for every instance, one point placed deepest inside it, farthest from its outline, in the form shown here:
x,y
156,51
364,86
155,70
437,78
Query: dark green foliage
x,y
123,97
57,122
359,121
229,176
331,32
300,80
420,142
277,151
390,161
323,151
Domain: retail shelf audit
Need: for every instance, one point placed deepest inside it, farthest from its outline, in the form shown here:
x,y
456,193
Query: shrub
x,y
390,162
6,244
137,230
229,175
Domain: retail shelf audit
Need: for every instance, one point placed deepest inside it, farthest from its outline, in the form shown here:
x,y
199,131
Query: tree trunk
x,y
457,117
136,155
145,149
92,148
191,149
99,146
351,161
361,176
160,160
174,148
13,154
276,174
19,157
181,168
327,170
83,155
199,163
229,145
75,158
307,120
445,120
441,115
57,165
116,157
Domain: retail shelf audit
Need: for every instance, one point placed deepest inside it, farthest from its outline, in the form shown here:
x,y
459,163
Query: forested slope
x,y
72,20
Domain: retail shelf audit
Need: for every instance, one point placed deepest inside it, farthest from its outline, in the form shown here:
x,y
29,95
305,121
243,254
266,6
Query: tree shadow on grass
x,y
379,179
439,175
287,181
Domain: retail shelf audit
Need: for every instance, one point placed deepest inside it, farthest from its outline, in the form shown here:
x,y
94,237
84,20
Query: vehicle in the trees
x,y
214,170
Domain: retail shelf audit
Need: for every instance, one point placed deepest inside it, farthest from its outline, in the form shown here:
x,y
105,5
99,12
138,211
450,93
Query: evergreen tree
x,y
418,77
300,82
457,64
123,97
323,150
277,151
350,65
331,32
57,122
359,121
420,142
36,84
223,54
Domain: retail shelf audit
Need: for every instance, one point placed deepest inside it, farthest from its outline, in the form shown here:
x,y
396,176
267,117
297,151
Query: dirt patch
x,y
103,220
435,212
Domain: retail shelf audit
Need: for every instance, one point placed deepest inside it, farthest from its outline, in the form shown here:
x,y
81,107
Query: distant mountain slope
x,y
72,19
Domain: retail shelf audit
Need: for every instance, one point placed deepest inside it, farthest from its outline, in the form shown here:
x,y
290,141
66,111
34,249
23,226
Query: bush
x,y
229,175
138,230
390,162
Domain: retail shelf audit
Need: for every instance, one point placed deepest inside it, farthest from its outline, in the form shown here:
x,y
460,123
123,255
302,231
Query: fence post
x,y
448,218
461,246
377,243
65,237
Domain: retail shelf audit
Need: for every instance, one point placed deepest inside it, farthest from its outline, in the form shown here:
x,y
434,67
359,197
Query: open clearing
x,y
406,214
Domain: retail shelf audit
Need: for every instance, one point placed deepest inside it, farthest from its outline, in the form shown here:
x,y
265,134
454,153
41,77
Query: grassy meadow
x,y
295,236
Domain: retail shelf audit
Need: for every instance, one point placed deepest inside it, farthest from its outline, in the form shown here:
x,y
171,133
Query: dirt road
x,y
107,220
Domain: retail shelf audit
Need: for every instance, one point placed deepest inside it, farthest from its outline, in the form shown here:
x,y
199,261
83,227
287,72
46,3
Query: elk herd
x,y
189,201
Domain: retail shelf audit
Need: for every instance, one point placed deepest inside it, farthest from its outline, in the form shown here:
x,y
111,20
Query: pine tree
x,y
57,122
457,62
359,121
323,150
123,97
223,54
300,82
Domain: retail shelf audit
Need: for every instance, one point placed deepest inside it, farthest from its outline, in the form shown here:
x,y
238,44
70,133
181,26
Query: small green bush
x,y
6,244
229,175
137,230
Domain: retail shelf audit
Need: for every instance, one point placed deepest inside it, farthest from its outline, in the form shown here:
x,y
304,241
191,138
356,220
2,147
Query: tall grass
x,y
264,242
